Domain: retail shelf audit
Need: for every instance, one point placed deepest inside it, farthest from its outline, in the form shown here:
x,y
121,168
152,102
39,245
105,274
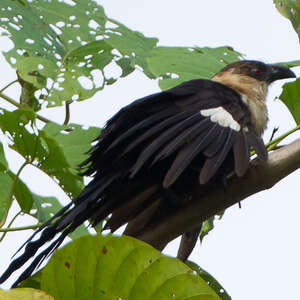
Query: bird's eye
x,y
256,71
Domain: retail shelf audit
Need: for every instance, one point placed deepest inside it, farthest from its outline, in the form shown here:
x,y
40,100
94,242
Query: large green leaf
x,y
177,64
291,10
68,45
291,98
97,267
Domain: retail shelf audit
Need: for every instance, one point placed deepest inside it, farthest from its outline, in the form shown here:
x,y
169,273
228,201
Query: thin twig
x,y
8,85
21,228
67,106
10,224
275,129
272,145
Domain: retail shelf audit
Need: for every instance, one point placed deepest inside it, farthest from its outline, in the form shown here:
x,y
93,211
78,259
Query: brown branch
x,y
259,177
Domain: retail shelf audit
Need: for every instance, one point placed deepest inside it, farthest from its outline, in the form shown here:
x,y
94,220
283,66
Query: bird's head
x,y
257,70
251,78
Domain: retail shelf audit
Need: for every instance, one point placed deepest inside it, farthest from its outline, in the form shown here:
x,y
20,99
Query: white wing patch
x,y
222,117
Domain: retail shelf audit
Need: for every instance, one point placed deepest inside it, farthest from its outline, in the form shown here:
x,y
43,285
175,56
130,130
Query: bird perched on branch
x,y
155,152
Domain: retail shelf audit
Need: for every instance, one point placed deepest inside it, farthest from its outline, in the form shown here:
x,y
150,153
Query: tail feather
x,y
58,214
64,222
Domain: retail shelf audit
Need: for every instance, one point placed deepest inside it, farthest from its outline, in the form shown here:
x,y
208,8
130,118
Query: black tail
x,y
61,224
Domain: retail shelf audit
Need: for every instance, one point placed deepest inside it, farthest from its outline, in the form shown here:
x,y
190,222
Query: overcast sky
x,y
253,251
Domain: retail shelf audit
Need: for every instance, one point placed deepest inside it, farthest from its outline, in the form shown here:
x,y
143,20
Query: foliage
x,y
118,267
71,51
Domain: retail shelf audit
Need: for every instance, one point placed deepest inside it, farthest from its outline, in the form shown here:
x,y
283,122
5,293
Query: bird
x,y
154,152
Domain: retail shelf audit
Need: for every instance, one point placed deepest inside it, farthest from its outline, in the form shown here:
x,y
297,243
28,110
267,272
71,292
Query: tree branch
x,y
259,177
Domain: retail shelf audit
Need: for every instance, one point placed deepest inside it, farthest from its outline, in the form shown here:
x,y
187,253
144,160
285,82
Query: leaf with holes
x,y
176,65
16,125
97,267
65,54
290,97
24,294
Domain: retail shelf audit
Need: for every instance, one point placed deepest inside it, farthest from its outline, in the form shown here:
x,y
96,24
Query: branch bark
x,y
259,177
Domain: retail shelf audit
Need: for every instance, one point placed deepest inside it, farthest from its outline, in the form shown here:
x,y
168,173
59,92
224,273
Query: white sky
x,y
253,251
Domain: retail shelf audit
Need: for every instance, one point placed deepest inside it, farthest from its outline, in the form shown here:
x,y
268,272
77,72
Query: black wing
x,y
149,157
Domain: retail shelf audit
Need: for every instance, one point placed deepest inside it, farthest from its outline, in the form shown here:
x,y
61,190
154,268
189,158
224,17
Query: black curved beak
x,y
278,72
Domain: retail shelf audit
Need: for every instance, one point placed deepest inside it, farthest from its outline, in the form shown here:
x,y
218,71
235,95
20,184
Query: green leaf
x,y
5,200
97,267
22,193
67,43
290,64
209,279
13,125
24,294
3,161
75,141
176,65
290,96
32,282
207,226
290,10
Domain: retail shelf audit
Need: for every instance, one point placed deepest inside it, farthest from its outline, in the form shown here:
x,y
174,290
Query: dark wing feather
x,y
258,145
162,139
241,154
217,144
188,153
144,124
186,136
212,164
158,129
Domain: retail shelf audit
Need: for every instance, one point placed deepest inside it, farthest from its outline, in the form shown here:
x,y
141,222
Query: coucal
x,y
155,152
